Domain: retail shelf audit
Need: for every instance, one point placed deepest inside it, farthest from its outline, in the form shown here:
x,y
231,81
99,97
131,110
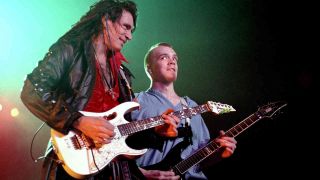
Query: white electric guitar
x,y
79,155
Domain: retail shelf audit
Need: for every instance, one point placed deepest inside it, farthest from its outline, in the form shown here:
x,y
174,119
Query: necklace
x,y
107,86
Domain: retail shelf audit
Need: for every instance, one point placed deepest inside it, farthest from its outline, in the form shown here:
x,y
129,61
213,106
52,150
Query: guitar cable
x,y
40,157
31,146
94,161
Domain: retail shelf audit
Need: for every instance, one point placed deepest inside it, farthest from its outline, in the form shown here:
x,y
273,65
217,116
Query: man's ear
x,y
149,69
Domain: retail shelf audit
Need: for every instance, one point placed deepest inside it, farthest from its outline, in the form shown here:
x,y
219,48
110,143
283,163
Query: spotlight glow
x,y
14,112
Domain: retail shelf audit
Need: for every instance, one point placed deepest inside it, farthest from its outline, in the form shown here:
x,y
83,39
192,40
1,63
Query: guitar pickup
x,y
75,142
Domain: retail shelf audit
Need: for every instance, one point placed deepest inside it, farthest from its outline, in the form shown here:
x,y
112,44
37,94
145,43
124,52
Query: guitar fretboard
x,y
211,147
136,126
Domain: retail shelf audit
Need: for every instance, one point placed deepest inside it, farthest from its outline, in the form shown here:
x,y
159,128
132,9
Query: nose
x,y
172,61
128,35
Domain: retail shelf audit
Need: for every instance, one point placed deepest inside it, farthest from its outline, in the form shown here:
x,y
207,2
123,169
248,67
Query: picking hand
x,y
98,129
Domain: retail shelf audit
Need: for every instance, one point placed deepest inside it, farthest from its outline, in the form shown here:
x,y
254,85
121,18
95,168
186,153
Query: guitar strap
x,y
185,131
120,170
130,91
185,106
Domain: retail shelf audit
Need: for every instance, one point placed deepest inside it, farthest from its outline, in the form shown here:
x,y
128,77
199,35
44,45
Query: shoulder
x,y
148,98
61,48
190,101
141,95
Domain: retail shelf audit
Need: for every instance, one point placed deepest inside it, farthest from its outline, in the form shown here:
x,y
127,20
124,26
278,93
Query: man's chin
x,y
117,47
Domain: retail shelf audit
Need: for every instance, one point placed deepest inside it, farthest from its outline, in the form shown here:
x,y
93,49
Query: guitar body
x,y
171,159
81,158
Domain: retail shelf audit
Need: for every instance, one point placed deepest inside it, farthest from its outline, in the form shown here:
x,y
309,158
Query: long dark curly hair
x,y
90,24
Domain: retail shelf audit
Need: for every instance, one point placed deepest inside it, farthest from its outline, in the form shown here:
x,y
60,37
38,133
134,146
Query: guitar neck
x,y
136,126
212,147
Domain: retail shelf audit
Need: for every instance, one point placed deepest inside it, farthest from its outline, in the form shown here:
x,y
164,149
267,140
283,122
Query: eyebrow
x,y
166,54
128,26
163,54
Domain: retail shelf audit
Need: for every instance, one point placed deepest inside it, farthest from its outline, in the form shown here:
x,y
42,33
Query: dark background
x,y
279,66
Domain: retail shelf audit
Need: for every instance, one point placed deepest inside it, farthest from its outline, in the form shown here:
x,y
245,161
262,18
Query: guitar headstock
x,y
219,108
271,109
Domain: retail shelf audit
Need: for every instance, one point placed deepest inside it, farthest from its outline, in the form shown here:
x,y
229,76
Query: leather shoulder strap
x,y
123,76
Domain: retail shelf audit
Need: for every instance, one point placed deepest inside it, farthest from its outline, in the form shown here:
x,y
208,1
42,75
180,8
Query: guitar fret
x,y
127,126
253,118
128,130
238,128
136,127
143,125
133,127
229,133
192,161
245,122
202,154
243,126
183,166
124,129
214,145
147,124
120,128
233,132
250,120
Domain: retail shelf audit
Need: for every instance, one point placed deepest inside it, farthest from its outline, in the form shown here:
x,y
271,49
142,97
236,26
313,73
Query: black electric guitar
x,y
173,161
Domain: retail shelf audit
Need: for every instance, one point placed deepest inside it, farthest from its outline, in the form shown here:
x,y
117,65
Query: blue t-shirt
x,y
152,104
